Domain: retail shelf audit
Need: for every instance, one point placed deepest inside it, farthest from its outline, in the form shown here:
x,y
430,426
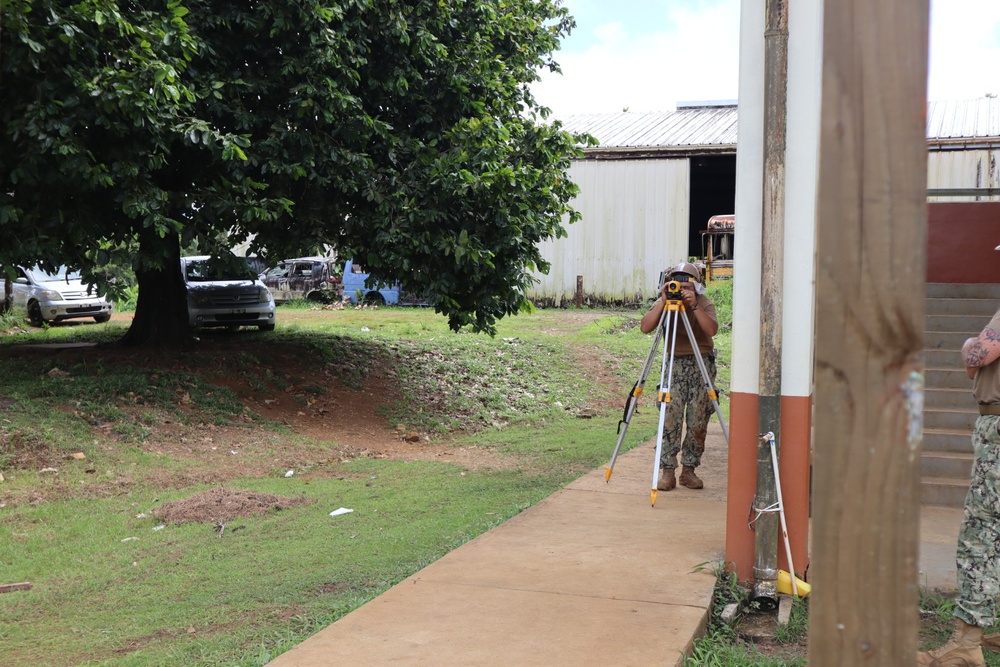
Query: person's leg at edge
x,y
976,557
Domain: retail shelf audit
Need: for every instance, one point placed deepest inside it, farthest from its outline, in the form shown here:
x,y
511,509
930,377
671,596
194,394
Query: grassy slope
x,y
182,595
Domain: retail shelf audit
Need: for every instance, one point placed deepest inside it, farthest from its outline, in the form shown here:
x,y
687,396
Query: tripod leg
x,y
713,396
630,402
666,372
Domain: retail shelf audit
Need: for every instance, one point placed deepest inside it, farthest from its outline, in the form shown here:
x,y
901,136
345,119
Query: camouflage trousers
x,y
978,556
689,405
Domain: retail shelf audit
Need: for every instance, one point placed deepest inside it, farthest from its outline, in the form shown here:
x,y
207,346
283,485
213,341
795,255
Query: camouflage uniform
x,y
978,557
687,389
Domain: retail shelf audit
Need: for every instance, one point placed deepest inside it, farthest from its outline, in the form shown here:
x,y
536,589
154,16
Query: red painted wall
x,y
961,238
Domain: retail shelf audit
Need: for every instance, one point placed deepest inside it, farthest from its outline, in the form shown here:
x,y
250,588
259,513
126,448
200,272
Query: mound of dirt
x,y
220,505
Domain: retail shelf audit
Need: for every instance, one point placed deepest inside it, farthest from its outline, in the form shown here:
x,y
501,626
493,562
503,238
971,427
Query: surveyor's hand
x,y
689,297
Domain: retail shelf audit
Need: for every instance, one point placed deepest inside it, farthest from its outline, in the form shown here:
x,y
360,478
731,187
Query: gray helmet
x,y
687,268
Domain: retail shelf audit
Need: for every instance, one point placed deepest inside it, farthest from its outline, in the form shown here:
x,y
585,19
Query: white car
x,y
52,297
224,294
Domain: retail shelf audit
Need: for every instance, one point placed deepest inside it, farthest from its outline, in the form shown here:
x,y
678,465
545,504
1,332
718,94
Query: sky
x,y
647,55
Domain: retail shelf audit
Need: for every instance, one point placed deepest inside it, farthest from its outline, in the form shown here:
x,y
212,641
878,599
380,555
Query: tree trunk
x,y
161,314
8,296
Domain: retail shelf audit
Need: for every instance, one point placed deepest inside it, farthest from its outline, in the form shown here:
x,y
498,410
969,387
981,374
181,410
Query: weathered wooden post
x,y
765,567
871,245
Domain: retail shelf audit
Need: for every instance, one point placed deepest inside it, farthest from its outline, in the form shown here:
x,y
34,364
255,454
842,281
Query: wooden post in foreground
x,y
871,246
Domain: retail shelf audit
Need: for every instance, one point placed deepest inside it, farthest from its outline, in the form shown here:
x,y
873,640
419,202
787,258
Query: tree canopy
x,y
400,132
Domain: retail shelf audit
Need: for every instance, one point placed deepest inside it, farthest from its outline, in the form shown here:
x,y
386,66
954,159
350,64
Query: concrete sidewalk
x,y
592,575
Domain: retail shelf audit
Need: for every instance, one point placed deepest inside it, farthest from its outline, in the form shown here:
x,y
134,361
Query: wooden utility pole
x,y
765,567
871,245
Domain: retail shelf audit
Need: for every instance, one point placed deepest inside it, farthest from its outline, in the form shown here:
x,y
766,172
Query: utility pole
x,y
765,569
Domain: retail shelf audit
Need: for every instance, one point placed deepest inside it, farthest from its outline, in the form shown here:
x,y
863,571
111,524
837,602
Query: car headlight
x,y
201,298
51,295
264,296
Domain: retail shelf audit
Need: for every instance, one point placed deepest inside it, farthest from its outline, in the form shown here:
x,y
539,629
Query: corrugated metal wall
x,y
970,168
635,224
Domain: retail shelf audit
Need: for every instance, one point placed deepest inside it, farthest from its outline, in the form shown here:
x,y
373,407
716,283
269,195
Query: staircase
x,y
955,312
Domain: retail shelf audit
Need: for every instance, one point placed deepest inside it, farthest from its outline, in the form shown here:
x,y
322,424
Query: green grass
x,y
721,646
183,595
103,595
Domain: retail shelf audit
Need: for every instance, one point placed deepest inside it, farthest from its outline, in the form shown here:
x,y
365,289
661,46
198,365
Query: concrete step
x,y
970,324
954,313
949,340
976,308
943,491
949,399
950,420
947,378
963,290
940,358
944,440
952,465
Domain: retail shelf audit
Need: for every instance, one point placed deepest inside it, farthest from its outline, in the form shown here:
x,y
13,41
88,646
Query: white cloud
x,y
649,54
964,49
696,60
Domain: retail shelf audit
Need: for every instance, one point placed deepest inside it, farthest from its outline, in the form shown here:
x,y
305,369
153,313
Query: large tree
x,y
402,132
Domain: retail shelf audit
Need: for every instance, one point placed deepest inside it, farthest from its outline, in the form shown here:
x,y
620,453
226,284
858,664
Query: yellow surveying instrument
x,y
673,313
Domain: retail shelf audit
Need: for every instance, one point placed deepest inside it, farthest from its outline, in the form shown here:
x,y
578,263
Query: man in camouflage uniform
x,y
978,554
688,391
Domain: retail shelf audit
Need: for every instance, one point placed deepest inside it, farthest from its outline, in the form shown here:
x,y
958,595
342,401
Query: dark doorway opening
x,y
713,192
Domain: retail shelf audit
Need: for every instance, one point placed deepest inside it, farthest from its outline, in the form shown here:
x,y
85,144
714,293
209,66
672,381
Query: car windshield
x,y
41,276
203,270
277,272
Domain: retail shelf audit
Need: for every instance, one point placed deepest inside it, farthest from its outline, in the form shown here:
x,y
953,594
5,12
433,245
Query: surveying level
x,y
673,312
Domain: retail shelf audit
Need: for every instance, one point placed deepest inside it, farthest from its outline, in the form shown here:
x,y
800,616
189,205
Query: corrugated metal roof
x,y
964,119
709,126
686,128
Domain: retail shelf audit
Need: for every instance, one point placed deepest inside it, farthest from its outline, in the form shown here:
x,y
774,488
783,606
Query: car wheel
x,y
101,319
266,327
317,297
35,314
374,299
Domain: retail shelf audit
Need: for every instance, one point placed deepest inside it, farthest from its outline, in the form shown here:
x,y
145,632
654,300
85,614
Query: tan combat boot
x,y
689,479
667,480
962,650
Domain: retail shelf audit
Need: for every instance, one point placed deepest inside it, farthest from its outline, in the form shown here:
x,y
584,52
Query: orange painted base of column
x,y
793,465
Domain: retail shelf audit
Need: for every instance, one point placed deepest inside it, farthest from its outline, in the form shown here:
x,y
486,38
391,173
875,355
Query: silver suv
x,y
48,297
222,295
